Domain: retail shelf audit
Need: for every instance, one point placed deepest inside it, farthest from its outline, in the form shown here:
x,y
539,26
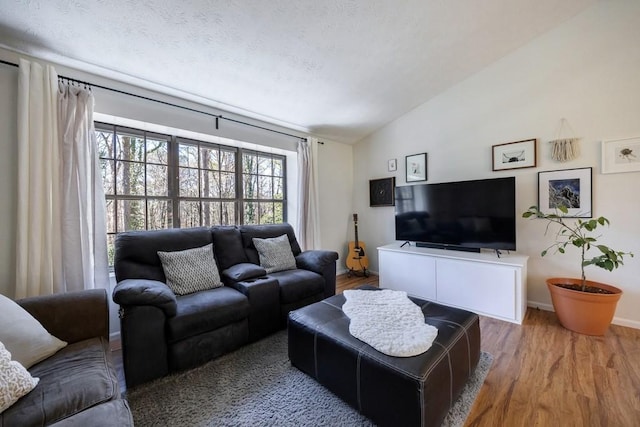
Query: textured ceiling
x,y
340,69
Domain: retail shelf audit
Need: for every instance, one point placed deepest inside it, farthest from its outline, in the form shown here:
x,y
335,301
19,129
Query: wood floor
x,y
545,375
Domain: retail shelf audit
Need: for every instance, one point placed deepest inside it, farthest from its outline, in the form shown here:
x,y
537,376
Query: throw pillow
x,y
25,338
191,270
15,380
275,253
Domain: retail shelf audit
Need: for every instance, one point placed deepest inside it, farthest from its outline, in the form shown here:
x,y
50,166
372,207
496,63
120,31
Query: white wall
x,y
335,176
586,71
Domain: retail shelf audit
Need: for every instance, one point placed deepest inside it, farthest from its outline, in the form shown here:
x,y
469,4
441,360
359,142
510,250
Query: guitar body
x,y
357,261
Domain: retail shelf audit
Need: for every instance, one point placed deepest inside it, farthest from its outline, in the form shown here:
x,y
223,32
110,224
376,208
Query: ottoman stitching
x,y
461,330
464,328
318,328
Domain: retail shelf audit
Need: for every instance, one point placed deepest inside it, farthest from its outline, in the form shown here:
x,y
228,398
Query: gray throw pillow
x,y
275,253
191,270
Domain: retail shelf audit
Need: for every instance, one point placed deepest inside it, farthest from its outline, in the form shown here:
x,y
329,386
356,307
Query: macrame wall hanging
x,y
565,147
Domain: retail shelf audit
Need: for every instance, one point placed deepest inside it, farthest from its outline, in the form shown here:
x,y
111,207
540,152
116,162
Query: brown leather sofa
x,y
78,385
163,333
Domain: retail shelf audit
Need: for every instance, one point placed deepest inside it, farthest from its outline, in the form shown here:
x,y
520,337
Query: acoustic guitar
x,y
357,261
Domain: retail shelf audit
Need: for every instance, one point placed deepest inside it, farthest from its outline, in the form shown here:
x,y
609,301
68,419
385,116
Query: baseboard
x,y
620,321
540,305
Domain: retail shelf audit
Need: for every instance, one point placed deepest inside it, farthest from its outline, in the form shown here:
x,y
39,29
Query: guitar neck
x,y
357,242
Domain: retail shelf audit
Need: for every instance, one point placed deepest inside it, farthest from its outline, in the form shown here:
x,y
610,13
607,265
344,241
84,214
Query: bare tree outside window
x,y
263,186
153,181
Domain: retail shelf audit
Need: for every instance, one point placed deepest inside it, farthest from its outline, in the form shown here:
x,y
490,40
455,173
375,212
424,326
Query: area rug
x,y
257,386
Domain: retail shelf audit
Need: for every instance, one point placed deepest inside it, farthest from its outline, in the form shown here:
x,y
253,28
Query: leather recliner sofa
x,y
163,333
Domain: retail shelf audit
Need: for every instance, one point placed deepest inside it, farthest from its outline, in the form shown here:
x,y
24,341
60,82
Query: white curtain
x,y
308,227
84,241
39,248
61,234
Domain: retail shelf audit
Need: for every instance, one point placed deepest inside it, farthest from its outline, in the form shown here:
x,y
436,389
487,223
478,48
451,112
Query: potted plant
x,y
581,305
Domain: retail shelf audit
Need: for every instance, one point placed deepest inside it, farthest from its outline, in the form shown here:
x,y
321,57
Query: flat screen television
x,y
463,215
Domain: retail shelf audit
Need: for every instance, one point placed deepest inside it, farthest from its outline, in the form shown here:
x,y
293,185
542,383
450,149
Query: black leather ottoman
x,y
398,391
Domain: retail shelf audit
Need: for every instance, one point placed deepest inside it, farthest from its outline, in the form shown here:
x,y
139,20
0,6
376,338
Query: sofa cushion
x,y
266,231
15,380
206,311
229,238
25,338
136,254
191,270
296,285
275,253
76,378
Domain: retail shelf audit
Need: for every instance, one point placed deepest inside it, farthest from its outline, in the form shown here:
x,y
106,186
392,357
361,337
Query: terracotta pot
x,y
583,312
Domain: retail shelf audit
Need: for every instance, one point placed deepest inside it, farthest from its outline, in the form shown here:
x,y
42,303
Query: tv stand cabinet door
x,y
484,288
414,274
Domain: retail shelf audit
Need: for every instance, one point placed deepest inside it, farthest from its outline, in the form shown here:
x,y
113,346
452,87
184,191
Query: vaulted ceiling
x,y
337,68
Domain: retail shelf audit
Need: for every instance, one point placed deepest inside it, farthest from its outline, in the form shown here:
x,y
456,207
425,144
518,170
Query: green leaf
x,y
543,253
561,250
563,209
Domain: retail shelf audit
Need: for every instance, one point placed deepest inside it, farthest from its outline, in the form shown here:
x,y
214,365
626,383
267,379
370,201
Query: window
x,y
154,181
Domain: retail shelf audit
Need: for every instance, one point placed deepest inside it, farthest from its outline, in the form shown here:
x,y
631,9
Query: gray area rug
x,y
257,386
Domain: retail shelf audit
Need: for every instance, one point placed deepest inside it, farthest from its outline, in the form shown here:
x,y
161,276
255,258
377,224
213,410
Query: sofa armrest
x,y
241,272
72,316
323,263
316,260
133,292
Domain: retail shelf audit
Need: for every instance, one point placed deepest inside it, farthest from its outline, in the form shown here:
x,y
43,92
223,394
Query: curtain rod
x,y
216,116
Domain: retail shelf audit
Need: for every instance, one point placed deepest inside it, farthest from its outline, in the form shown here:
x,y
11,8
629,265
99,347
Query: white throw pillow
x,y
25,338
275,253
15,380
191,270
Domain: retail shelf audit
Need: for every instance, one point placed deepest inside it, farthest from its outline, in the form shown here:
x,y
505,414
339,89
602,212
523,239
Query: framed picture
x,y
514,155
381,192
621,155
570,188
392,165
416,167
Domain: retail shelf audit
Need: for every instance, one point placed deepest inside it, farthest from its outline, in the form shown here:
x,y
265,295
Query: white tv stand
x,y
479,282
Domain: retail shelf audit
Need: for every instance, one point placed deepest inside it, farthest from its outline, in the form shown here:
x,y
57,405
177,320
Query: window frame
x,y
173,196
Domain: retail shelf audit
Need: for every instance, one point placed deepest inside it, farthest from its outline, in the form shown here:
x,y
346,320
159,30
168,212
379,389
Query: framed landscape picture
x,y
514,155
570,188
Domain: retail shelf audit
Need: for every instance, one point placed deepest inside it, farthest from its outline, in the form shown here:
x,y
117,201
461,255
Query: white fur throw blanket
x,y
388,321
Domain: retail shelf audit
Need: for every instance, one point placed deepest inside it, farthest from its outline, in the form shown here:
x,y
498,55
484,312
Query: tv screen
x,y
464,215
